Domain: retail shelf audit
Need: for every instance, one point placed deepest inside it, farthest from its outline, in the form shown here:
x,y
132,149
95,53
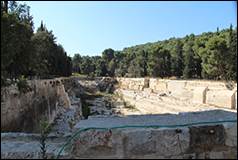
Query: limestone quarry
x,y
106,117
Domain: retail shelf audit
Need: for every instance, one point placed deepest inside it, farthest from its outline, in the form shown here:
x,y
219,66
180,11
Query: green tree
x,y
214,62
51,57
108,54
101,69
16,32
122,69
177,66
189,69
232,59
134,69
141,61
77,60
87,67
111,68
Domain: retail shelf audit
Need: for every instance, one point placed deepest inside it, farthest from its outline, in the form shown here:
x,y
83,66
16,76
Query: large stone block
x,y
94,143
221,98
138,142
171,142
205,138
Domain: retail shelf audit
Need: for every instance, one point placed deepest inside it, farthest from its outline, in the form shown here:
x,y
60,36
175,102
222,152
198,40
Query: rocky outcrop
x,y
23,111
115,138
72,86
107,84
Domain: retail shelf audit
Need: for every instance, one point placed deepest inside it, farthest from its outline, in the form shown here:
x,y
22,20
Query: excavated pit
x,y
72,104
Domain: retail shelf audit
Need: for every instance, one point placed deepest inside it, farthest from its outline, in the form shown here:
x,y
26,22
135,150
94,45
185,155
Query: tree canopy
x,y
211,55
24,52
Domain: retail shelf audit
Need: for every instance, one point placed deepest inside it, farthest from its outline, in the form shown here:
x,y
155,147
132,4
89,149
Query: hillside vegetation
x,y
211,55
24,52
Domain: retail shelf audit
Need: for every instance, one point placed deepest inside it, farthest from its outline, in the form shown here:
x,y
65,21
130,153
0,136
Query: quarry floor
x,y
124,103
125,107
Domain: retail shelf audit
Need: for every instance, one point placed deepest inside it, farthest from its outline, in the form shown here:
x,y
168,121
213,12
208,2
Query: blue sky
x,y
90,27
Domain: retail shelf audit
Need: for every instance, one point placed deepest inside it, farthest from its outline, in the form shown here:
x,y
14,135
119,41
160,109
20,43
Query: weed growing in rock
x,y
45,128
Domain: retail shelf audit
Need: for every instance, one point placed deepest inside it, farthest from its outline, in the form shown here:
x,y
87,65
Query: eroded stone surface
x,y
140,96
217,93
205,138
132,142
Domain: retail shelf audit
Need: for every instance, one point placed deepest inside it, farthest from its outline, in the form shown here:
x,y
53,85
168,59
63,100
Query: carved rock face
x,y
23,111
205,138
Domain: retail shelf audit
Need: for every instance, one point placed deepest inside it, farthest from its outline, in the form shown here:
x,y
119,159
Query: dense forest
x,y
211,55
26,53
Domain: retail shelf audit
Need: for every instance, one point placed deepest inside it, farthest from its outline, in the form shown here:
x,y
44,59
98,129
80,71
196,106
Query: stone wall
x,y
201,141
23,111
133,83
198,91
158,143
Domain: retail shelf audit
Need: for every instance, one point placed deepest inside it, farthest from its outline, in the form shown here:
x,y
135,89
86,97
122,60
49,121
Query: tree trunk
x,y
6,6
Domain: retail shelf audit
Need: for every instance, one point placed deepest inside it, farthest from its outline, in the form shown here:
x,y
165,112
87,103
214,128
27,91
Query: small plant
x,y
45,128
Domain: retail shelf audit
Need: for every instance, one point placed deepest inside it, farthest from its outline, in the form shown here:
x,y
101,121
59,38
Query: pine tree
x,y
177,66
